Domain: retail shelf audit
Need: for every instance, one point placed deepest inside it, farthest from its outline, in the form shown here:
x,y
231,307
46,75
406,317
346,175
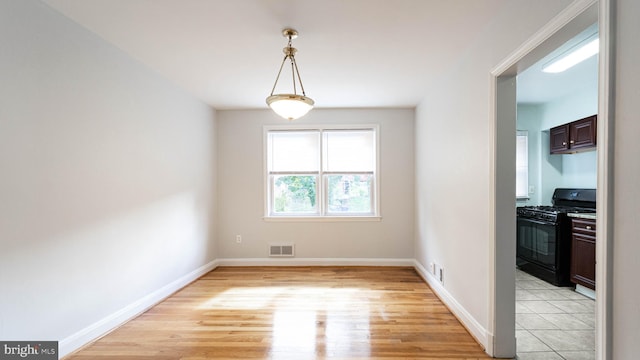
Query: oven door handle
x,y
537,221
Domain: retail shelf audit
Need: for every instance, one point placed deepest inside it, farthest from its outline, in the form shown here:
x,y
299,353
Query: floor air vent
x,y
281,250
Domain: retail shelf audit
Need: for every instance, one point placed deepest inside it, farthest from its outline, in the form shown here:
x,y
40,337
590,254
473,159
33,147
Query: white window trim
x,y
320,217
524,133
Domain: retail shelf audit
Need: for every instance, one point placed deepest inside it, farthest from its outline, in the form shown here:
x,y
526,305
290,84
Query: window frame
x,y
525,134
323,214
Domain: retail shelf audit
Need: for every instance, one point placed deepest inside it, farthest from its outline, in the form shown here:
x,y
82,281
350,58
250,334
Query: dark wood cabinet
x,y
579,135
582,133
559,139
583,252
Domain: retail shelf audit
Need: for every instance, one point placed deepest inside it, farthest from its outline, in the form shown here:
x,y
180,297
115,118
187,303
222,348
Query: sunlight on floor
x,y
294,331
281,296
306,317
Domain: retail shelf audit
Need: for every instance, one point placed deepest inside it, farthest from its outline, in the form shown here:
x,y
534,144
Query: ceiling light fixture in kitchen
x,y
290,106
578,53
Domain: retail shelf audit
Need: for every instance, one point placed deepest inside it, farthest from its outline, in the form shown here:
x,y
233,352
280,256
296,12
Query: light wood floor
x,y
294,313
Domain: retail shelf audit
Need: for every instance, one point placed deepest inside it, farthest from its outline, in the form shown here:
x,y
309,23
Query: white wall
x,y
626,192
568,170
241,191
569,108
107,173
452,160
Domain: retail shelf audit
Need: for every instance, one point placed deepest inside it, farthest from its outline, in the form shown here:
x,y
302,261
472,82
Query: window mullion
x,y
322,190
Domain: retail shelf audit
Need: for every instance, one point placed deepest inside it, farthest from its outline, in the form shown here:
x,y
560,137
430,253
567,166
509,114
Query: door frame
x,y
565,25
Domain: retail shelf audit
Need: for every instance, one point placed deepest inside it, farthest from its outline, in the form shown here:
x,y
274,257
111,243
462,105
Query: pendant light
x,y
290,106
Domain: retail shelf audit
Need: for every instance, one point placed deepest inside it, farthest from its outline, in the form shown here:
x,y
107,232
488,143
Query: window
x,y
321,172
522,164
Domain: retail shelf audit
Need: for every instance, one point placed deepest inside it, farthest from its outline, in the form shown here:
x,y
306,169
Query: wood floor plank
x,y
294,313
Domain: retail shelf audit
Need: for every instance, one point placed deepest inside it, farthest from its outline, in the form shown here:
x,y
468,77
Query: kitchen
x,y
556,201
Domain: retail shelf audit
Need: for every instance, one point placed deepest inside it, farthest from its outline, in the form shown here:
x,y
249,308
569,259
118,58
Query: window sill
x,y
321,218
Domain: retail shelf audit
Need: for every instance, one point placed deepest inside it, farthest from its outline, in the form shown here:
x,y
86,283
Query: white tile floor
x,y
552,322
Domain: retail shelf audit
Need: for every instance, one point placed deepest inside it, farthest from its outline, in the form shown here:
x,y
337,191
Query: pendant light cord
x,y
279,71
294,70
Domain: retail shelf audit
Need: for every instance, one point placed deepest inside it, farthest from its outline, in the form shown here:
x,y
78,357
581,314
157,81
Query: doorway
x,y
552,320
576,18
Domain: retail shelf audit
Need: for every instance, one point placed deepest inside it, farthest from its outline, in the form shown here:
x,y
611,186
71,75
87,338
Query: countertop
x,y
591,216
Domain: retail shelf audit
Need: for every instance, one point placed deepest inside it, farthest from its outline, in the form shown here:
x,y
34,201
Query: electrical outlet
x,y
441,276
432,268
238,239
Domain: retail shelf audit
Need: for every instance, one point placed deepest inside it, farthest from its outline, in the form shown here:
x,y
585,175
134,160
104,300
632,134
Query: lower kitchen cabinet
x,y
583,252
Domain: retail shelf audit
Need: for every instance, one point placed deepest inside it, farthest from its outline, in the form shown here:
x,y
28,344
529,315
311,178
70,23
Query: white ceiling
x,y
356,53
536,87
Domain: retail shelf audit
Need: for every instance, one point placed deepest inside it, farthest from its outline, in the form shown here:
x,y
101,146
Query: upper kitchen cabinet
x,y
559,139
579,135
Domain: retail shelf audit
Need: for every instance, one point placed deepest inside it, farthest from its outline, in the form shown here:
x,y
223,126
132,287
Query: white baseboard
x,y
314,262
586,291
105,325
468,321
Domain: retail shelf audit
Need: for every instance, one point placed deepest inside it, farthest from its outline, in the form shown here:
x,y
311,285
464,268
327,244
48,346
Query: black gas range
x,y
549,213
544,234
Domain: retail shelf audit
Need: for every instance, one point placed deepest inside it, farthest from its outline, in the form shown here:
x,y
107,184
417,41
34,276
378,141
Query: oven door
x,y
537,242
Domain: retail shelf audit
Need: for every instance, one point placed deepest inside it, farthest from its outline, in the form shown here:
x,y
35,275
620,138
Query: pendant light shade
x,y
290,106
